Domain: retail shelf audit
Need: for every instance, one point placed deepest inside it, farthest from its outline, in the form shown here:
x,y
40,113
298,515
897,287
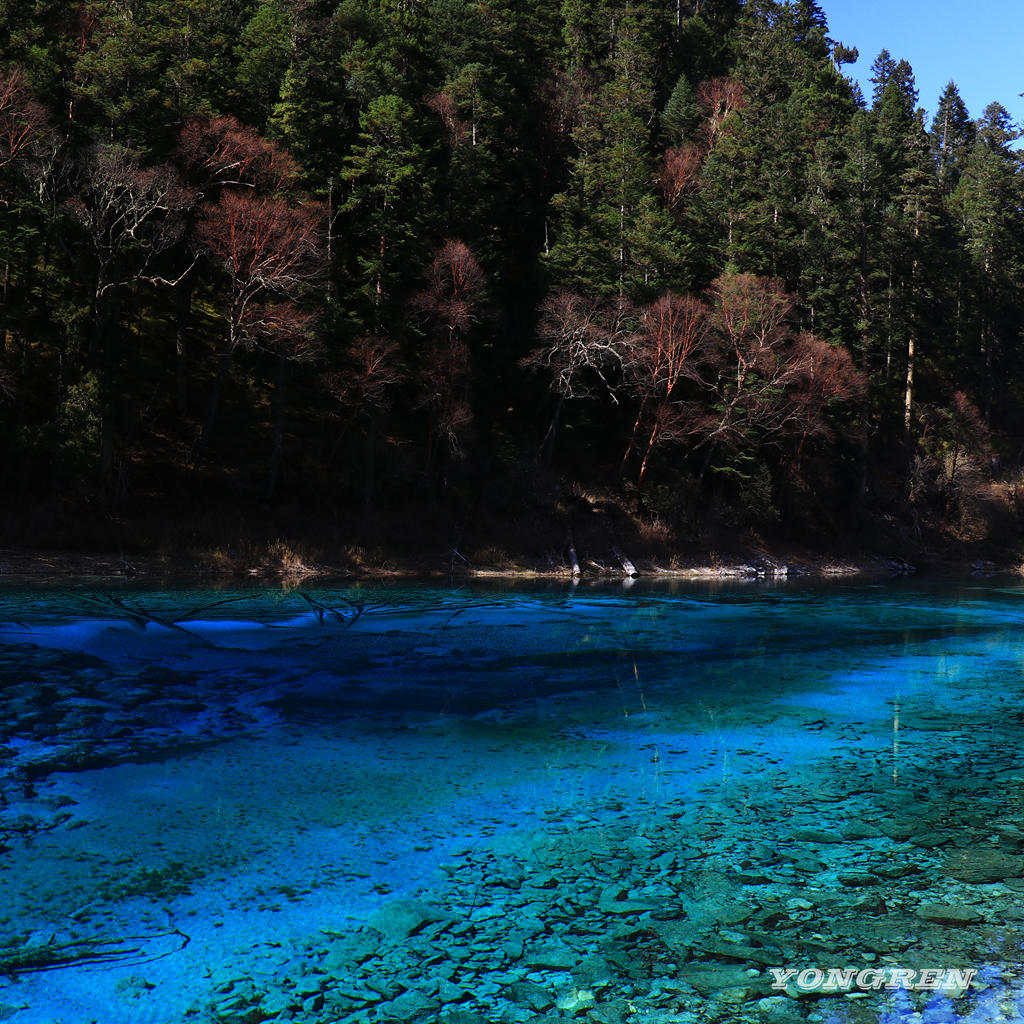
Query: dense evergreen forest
x,y
422,274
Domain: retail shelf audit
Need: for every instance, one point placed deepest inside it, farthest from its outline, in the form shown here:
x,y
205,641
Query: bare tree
x,y
579,349
270,252
131,214
719,97
221,151
23,120
266,248
373,369
680,171
768,384
372,372
448,307
827,378
664,353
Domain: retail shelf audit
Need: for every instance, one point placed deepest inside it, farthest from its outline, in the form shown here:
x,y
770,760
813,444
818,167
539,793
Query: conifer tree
x,y
952,136
985,204
388,205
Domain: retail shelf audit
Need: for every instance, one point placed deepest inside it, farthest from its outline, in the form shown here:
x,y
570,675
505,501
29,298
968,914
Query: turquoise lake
x,y
775,802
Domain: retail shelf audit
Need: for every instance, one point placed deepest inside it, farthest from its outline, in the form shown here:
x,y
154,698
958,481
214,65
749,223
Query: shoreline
x,y
35,565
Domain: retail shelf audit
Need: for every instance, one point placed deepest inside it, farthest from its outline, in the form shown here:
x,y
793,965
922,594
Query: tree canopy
x,y
366,253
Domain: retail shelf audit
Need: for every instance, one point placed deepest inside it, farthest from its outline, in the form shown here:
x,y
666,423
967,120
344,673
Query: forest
x,y
393,277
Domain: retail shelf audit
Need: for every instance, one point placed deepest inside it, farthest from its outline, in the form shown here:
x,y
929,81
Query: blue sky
x,y
977,45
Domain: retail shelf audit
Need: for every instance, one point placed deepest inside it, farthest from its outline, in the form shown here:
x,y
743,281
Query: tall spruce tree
x,y
952,136
387,209
986,204
610,234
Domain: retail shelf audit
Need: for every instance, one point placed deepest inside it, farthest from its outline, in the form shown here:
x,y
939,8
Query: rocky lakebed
x,y
466,809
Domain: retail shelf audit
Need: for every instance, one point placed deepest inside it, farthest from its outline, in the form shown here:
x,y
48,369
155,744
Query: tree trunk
x,y
371,461
706,464
547,447
643,465
213,408
107,330
908,397
574,561
632,442
183,316
864,451
277,437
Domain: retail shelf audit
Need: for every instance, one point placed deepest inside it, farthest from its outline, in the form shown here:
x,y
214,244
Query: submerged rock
x,y
461,1017
857,879
722,948
1011,837
817,836
895,869
401,919
410,1006
940,913
712,978
983,865
576,1001
551,958
530,995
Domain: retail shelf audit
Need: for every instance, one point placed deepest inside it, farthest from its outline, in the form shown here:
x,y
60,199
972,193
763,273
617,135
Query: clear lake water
x,y
772,802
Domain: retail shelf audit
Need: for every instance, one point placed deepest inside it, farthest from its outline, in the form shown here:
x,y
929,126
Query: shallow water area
x,y
414,803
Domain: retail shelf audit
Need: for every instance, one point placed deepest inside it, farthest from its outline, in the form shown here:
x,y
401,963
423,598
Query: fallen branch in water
x,y
51,956
142,618
322,609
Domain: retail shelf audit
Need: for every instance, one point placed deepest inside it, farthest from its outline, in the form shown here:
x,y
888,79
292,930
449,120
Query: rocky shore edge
x,y
280,562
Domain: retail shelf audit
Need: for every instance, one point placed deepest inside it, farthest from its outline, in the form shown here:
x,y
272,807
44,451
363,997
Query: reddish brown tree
x,y
456,283
267,248
444,106
219,151
752,370
680,172
752,317
954,455
372,370
448,307
663,355
827,378
219,154
23,120
718,98
681,165
768,384
270,254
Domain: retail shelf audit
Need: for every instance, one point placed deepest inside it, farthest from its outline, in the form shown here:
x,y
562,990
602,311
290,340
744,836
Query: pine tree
x,y
316,117
611,236
681,114
882,71
387,209
952,136
146,67
985,203
755,193
263,56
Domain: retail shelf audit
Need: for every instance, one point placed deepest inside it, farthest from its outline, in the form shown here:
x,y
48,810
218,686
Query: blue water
x,y
217,805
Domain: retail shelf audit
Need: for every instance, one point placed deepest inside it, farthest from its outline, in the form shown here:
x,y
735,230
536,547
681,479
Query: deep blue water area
x,y
664,802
